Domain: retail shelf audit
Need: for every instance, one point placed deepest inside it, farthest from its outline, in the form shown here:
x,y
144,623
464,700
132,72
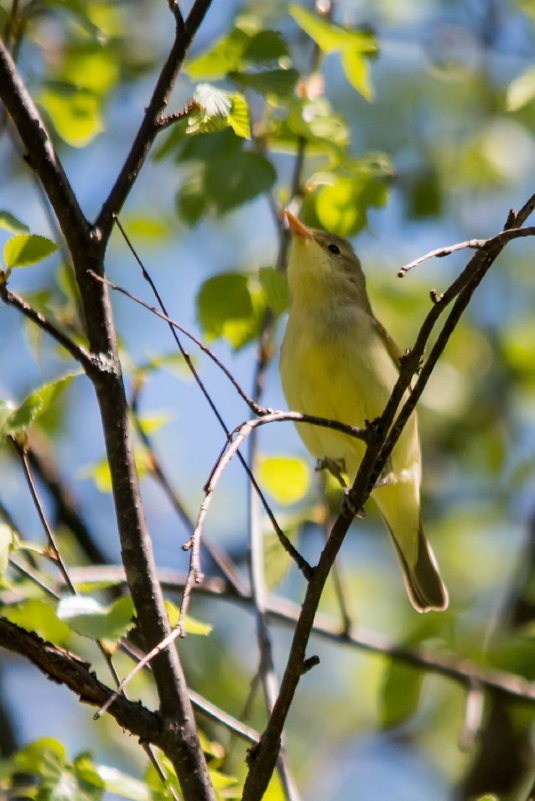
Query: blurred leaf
x,y
25,249
286,478
224,56
39,616
279,82
16,420
121,784
208,146
400,693
191,199
193,626
314,120
11,223
34,757
75,113
277,563
341,207
234,51
265,46
92,67
425,194
236,180
88,617
521,91
226,307
148,227
331,37
275,286
101,475
357,72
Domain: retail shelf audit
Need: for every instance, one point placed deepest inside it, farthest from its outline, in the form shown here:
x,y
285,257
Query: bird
x,y
338,361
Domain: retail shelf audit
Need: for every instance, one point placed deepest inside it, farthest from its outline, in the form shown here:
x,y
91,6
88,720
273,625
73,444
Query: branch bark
x,y
87,247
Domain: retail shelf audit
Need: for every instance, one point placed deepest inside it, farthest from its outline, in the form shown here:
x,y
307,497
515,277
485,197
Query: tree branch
x,y
151,124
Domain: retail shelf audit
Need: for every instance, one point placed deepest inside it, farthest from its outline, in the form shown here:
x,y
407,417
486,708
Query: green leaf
x,y
10,223
88,617
191,199
219,109
33,758
331,37
39,616
222,57
357,72
207,146
25,249
75,113
120,783
341,207
14,421
236,180
93,67
521,91
400,693
275,286
265,46
353,46
286,478
223,299
277,563
278,82
193,626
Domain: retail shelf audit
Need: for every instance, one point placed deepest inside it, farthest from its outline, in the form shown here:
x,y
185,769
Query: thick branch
x,y
66,668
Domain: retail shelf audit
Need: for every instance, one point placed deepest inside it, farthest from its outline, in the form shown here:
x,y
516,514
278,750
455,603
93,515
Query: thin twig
x,y
50,535
476,244
457,668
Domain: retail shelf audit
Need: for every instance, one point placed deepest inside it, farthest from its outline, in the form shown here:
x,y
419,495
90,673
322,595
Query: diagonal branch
x,y
184,33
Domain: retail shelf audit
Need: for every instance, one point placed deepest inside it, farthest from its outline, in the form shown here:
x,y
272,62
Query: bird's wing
x,y
393,350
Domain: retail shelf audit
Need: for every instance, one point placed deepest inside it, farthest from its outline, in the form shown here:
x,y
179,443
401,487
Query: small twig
x,y
170,119
51,537
223,562
476,244
205,349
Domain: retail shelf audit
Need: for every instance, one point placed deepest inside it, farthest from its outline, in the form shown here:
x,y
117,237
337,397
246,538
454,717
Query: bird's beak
x,y
296,226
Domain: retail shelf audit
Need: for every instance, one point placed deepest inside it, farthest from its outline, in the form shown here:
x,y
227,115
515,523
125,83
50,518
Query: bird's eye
x,y
334,249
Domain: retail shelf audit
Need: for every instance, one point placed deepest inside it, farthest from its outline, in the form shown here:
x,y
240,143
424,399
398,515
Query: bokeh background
x,y
453,115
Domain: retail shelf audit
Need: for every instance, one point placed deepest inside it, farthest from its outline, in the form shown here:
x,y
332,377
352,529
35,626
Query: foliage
x,y
411,126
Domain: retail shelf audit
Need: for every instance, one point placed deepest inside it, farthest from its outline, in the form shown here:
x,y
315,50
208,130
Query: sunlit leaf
x,y
193,626
222,299
521,91
75,113
275,286
224,56
39,616
36,403
357,72
341,207
25,249
286,478
11,223
331,37
94,68
121,784
89,617
217,110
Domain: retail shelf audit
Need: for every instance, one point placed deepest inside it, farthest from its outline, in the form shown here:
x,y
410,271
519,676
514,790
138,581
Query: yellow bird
x,y
338,361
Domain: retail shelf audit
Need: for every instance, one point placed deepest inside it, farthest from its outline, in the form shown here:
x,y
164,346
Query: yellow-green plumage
x,y
337,361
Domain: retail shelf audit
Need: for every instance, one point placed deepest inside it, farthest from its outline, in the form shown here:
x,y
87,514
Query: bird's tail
x,y
425,588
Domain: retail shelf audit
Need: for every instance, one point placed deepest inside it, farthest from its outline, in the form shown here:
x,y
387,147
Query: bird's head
x,y
320,259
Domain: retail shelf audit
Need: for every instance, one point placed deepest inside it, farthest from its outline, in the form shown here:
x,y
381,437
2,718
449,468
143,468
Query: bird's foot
x,y
335,466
